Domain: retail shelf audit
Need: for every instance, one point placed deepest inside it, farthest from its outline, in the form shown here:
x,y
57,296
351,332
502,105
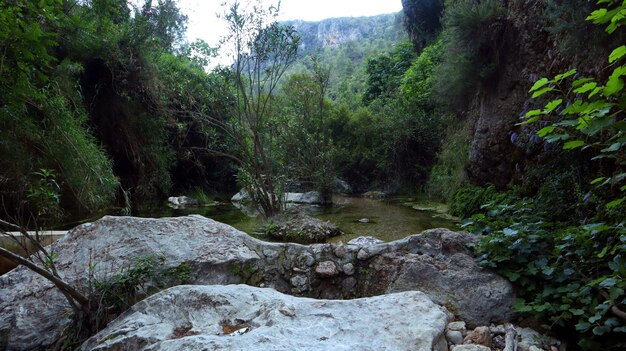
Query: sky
x,y
203,23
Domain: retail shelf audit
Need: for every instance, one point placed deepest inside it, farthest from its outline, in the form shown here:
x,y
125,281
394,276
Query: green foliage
x,y
475,38
385,72
304,141
588,114
572,273
262,50
575,37
448,173
43,194
470,199
145,277
571,277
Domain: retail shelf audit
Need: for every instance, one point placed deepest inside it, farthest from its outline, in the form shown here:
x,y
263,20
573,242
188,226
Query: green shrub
x,y
470,199
448,173
569,277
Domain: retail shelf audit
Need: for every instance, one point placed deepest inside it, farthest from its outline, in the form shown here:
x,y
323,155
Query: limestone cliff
x,y
334,32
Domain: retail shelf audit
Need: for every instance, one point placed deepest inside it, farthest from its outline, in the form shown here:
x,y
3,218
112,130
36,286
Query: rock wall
x,y
533,53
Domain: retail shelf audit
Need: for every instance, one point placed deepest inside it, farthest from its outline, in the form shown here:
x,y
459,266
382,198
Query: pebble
x,y
362,255
327,269
454,337
458,326
348,268
480,336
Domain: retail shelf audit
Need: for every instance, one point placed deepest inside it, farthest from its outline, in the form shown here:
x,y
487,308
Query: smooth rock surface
x,y
201,317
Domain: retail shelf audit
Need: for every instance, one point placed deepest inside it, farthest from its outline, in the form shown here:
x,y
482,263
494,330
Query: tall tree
x,y
262,50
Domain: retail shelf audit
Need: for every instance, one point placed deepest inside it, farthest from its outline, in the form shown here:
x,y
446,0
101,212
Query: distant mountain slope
x,y
344,44
335,32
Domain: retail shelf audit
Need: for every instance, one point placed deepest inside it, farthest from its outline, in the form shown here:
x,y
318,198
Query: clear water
x,y
388,219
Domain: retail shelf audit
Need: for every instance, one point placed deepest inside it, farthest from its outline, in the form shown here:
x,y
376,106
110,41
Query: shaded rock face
x,y
498,156
33,314
240,317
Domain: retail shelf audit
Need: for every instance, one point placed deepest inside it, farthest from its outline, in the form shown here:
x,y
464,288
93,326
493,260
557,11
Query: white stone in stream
x,y
470,347
311,197
194,318
241,196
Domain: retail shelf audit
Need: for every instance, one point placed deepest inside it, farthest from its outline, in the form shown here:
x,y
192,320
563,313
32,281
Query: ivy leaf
x,y
615,203
617,54
538,84
562,76
528,121
533,113
597,180
542,91
614,147
615,83
586,87
581,81
552,105
582,326
556,137
600,330
573,144
545,131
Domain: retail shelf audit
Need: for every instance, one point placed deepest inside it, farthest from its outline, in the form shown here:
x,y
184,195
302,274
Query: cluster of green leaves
x,y
44,124
572,277
105,96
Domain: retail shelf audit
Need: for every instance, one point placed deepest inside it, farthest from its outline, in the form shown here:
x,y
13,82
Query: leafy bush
x,y
570,277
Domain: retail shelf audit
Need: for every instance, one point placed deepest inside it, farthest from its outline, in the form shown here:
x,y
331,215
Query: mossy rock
x,y
301,228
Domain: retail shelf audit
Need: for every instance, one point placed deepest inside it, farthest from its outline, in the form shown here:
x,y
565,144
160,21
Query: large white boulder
x,y
240,317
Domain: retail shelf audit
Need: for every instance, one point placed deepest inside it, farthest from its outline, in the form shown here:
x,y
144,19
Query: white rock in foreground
x,y
196,317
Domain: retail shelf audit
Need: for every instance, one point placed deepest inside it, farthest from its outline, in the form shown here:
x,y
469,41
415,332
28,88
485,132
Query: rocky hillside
x,y
335,32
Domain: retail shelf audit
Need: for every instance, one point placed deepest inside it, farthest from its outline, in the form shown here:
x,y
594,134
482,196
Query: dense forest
x,y
512,112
